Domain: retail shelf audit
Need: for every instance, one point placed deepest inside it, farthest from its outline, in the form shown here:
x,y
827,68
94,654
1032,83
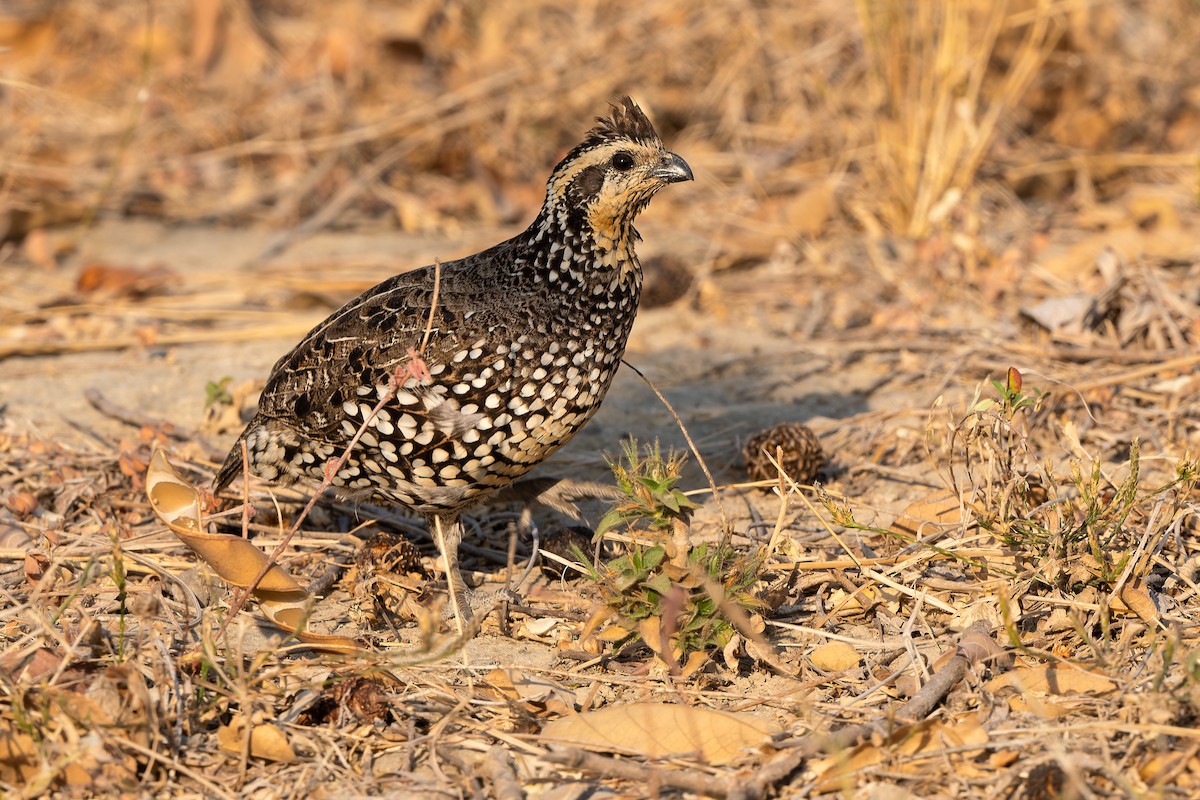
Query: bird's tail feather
x,y
232,466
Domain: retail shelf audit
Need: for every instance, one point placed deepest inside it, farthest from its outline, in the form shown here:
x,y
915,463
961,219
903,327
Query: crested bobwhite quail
x,y
490,363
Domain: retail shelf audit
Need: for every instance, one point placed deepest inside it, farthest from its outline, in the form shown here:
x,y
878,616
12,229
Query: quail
x,y
460,377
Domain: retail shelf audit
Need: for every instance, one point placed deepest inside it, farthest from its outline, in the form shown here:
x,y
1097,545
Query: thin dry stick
x,y
795,487
920,706
433,304
780,518
712,484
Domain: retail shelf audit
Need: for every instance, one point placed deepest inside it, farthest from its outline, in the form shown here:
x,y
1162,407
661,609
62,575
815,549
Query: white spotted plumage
x,y
515,355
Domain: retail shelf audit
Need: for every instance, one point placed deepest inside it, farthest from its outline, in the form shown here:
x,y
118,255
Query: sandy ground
x,y
727,377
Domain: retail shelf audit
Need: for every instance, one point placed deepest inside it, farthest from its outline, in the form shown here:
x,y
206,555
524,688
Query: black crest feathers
x,y
626,121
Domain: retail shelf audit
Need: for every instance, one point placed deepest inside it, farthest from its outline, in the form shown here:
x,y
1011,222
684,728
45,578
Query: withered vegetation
x,y
957,240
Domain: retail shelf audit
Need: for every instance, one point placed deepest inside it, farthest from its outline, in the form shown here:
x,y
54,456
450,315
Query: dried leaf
x,y
917,744
123,700
110,281
931,513
1136,597
1054,680
611,634
834,657
651,629
22,503
1061,313
979,647
266,741
18,754
36,565
693,664
236,560
1031,703
537,695
656,730
1178,770
542,626
985,610
30,665
598,618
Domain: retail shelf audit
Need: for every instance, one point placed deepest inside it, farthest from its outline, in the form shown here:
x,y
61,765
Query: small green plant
x,y
663,590
648,483
1001,474
216,393
118,576
1012,398
644,586
1084,535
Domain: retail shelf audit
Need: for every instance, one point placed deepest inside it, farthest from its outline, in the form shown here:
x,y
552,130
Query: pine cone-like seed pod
x,y
391,553
666,280
559,542
802,455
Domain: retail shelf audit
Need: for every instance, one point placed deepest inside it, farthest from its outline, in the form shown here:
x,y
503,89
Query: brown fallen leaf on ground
x,y
658,730
110,281
1050,679
115,702
177,503
535,695
266,740
930,514
908,750
1135,597
1178,770
835,657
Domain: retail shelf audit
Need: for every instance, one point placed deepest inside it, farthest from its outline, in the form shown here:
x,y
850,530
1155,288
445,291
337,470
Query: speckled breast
x,y
494,406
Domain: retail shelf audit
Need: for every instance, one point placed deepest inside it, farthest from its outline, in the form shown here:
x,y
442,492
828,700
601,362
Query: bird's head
x,y
602,184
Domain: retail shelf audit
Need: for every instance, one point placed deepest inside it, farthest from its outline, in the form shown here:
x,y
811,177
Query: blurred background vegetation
x,y
802,120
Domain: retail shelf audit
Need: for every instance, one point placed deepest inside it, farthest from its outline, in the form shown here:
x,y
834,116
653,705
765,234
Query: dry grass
x,y
941,98
268,117
995,592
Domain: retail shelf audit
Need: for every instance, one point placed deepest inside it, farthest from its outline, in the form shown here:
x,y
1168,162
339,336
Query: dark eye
x,y
622,162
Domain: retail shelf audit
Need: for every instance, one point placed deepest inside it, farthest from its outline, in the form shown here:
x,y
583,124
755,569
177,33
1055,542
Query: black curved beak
x,y
672,169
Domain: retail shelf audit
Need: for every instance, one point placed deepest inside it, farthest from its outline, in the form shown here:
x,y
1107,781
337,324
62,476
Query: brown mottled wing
x,y
364,342
359,345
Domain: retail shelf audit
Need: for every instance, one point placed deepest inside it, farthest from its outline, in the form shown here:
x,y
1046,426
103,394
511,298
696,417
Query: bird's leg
x,y
447,534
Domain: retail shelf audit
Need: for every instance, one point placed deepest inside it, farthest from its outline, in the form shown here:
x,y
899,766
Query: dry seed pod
x,y
392,553
561,542
801,450
666,280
